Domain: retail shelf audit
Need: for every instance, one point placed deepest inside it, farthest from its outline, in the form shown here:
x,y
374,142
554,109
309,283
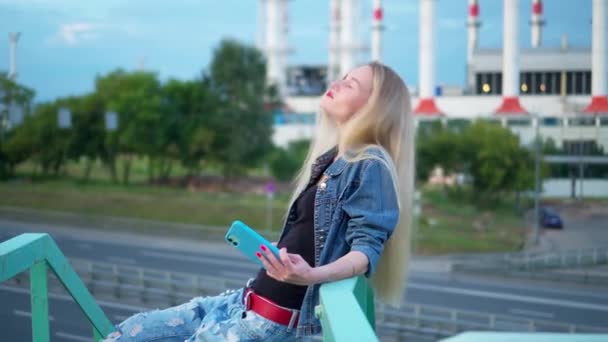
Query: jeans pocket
x,y
261,328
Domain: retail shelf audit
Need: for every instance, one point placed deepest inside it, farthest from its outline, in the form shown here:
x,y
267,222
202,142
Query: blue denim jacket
x,y
355,210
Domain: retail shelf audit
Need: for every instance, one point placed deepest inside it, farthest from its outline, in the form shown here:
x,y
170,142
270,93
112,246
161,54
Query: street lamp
x,y
536,179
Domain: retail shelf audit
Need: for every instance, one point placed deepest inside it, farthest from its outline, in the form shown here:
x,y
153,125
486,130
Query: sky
x,y
65,44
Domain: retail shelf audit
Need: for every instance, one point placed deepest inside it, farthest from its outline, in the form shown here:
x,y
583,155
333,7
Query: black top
x,y
300,239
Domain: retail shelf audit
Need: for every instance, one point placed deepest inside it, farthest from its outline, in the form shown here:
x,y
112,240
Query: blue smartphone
x,y
248,241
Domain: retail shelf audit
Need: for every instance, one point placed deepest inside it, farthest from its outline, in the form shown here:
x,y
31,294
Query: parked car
x,y
549,218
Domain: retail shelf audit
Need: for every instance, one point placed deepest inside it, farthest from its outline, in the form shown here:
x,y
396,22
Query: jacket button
x,y
323,186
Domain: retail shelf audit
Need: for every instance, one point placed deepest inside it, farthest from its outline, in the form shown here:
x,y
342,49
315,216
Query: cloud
x,y
75,33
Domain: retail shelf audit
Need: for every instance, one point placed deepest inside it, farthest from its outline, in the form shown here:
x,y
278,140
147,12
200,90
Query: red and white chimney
x,y
333,67
599,101
510,61
473,25
537,23
426,103
377,30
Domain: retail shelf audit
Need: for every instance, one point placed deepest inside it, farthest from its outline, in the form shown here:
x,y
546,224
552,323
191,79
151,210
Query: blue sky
x,y
66,43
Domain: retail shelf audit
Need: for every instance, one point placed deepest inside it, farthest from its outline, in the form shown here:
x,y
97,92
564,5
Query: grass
x,y
448,225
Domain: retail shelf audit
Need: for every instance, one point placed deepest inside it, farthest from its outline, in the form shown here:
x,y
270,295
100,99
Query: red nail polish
x,y
258,254
263,248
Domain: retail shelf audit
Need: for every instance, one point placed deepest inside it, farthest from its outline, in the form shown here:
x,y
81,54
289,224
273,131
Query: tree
x,y
12,93
189,136
243,125
498,163
136,97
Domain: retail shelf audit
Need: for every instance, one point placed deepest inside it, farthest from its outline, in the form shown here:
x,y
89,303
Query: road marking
x,y
69,298
201,260
531,313
508,296
121,260
73,337
29,314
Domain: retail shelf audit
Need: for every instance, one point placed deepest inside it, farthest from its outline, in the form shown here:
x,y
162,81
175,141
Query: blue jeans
x,y
218,318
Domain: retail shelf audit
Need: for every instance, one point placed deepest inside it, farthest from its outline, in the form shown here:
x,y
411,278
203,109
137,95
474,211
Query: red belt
x,y
268,309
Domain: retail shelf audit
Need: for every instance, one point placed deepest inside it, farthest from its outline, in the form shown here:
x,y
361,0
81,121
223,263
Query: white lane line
x,y
73,337
69,298
121,260
201,259
508,296
29,314
532,313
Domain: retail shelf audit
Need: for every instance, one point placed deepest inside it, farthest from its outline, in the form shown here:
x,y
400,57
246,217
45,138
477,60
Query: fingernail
x,y
258,254
263,248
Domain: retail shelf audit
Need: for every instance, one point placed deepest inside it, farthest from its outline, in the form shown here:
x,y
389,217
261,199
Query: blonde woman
x,y
350,214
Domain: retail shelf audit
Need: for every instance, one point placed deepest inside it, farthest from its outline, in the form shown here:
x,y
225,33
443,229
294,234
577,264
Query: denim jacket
x,y
355,209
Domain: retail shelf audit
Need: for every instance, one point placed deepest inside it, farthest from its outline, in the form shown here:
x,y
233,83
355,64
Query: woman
x,y
350,214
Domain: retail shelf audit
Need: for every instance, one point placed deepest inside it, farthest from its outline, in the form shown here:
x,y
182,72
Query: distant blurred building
x,y
561,89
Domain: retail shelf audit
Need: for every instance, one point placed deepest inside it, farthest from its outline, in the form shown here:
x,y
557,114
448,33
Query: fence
x,y
152,287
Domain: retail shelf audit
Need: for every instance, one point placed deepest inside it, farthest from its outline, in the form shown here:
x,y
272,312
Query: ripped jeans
x,y
217,318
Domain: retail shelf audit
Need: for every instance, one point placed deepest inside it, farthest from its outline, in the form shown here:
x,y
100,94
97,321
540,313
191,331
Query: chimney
x,y
537,22
377,30
599,101
426,102
510,61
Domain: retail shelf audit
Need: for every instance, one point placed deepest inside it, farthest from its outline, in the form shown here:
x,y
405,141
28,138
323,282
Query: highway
x,y
428,283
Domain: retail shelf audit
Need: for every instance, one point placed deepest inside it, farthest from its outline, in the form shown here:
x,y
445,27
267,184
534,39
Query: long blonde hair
x,y
384,121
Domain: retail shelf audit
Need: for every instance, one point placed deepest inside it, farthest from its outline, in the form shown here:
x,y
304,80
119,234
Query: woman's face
x,y
346,96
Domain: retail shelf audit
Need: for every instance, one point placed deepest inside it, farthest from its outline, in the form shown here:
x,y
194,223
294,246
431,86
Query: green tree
x,y
12,93
243,125
498,163
189,136
136,97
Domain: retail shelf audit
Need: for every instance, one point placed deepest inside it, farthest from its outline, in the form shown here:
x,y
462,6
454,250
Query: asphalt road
x,y
428,284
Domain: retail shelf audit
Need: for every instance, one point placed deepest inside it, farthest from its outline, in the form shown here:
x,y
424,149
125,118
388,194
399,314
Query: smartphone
x,y
248,241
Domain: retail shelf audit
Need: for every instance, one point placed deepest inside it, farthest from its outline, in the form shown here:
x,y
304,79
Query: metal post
x,y
536,182
39,302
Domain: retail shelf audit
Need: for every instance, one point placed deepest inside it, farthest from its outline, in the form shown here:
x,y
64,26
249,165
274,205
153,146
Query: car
x,y
549,218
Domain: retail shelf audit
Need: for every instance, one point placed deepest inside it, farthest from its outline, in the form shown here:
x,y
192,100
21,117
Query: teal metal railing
x,y
346,310
37,252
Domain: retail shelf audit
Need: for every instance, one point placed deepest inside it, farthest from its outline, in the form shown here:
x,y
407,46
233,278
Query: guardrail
x,y
539,260
140,285
346,310
37,252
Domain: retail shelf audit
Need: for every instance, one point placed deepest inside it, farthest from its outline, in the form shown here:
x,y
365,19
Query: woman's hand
x,y
288,268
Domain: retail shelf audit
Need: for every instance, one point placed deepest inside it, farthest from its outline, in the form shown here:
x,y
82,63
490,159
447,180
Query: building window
x,y
551,121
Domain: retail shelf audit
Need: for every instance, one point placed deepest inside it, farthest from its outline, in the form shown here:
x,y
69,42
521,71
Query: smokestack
x,y
333,68
377,31
537,22
599,101
473,25
260,38
510,61
426,102
348,36
275,42
13,39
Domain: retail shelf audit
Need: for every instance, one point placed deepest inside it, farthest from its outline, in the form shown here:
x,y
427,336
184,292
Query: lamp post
x,y
536,180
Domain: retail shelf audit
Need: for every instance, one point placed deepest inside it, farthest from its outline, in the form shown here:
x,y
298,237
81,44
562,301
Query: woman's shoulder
x,y
369,158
